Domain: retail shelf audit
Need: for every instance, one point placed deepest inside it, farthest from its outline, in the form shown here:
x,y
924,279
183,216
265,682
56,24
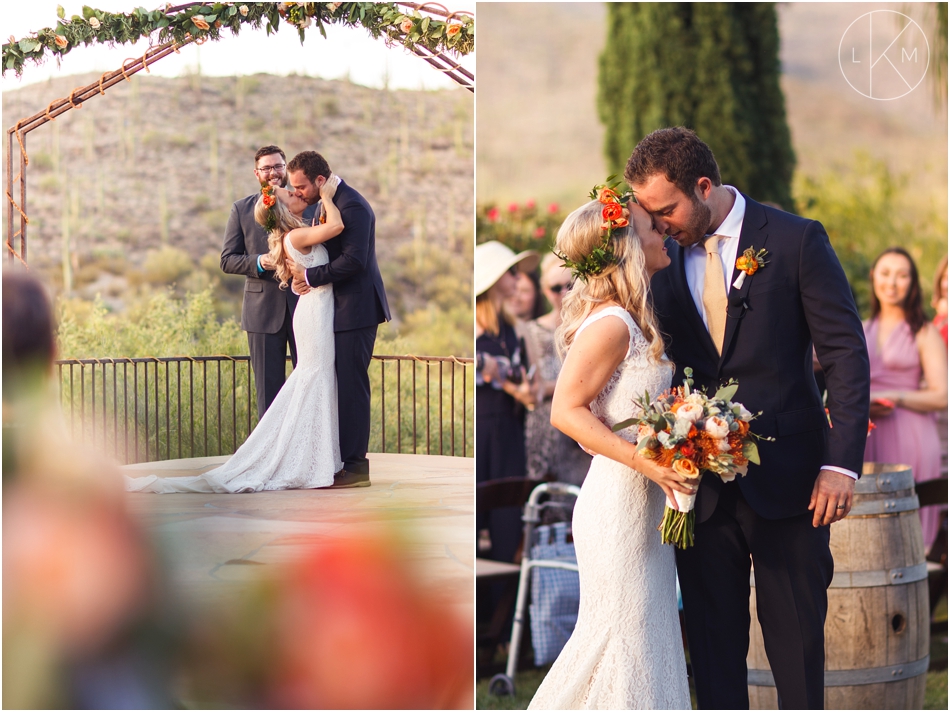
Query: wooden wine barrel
x,y
877,633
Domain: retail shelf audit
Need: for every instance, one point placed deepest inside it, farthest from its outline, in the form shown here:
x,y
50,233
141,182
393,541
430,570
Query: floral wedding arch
x,y
428,30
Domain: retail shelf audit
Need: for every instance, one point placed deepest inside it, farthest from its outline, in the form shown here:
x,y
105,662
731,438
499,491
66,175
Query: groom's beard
x,y
697,226
281,181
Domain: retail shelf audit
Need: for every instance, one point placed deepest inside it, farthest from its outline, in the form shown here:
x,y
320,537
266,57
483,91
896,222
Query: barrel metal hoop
x,y
885,482
867,579
885,506
893,577
863,676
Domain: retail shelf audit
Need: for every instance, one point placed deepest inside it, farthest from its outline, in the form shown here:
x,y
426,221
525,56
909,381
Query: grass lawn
x,y
528,681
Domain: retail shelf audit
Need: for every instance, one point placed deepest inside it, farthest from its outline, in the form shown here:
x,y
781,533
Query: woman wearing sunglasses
x,y
548,451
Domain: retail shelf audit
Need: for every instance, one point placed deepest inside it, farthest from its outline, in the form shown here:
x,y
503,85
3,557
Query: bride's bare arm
x,y
307,236
591,361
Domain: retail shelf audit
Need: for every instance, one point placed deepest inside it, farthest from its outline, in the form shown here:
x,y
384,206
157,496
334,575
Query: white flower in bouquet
x,y
741,412
717,427
690,412
664,438
697,398
724,445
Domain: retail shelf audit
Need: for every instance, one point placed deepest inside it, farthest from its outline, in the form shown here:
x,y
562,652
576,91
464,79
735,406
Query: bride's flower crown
x,y
615,216
269,200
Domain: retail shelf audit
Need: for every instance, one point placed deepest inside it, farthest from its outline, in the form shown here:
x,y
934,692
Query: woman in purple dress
x,y
908,375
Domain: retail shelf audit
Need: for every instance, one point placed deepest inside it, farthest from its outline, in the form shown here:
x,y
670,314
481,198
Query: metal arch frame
x,y
77,96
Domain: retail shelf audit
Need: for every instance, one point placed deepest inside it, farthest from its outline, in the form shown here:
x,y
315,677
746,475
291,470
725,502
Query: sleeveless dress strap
x,y
620,312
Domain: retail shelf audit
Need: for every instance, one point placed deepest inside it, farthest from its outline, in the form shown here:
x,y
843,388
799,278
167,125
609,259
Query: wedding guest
x,y
79,590
904,349
939,303
939,300
526,302
548,450
502,391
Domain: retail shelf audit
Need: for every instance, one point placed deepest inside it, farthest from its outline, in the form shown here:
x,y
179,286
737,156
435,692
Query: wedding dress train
x,y
296,443
626,651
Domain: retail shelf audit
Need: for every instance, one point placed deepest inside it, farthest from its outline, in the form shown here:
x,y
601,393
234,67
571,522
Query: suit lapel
x,y
754,234
677,272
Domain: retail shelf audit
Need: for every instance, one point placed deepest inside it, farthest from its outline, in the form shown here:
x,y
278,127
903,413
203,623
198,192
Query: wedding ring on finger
x,y
840,506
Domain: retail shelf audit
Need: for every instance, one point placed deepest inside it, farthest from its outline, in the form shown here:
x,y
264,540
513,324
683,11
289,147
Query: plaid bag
x,y
555,594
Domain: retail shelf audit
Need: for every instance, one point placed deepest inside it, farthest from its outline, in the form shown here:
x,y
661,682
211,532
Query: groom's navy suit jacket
x,y
799,298
359,298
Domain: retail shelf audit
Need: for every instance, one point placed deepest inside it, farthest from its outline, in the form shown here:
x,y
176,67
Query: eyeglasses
x,y
272,169
558,288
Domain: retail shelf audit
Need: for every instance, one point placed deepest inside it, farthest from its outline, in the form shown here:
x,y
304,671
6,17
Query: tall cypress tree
x,y
712,67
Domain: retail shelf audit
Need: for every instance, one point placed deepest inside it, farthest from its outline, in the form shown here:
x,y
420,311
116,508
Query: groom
x,y
760,332
359,306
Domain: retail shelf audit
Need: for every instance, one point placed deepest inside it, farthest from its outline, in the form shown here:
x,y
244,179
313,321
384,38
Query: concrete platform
x,y
215,542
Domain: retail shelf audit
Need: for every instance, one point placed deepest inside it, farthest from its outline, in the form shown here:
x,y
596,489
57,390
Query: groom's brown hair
x,y
311,163
677,153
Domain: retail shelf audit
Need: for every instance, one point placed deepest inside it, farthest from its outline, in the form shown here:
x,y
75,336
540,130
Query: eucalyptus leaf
x,y
28,45
60,12
726,392
624,424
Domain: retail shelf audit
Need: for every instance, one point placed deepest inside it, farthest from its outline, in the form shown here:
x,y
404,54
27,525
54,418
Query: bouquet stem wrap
x,y
679,522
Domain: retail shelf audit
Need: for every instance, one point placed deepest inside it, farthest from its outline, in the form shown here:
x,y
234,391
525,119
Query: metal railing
x,y
160,408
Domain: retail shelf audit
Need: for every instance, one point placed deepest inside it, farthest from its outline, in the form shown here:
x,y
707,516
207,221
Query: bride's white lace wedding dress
x,y
626,651
296,444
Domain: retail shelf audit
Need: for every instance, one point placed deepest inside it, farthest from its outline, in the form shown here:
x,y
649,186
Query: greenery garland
x,y
206,20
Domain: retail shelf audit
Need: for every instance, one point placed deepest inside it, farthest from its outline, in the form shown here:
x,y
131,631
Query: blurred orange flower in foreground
x,y
347,626
358,632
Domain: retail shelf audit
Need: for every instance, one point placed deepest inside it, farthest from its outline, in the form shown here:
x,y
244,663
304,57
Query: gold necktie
x,y
714,292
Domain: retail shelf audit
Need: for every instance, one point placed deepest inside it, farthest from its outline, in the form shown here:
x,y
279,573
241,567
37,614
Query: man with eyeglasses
x,y
268,311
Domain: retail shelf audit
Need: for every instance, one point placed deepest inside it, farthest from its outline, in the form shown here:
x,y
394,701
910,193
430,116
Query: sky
x,y
345,52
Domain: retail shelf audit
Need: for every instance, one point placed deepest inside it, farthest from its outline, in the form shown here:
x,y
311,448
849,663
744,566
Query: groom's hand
x,y
831,498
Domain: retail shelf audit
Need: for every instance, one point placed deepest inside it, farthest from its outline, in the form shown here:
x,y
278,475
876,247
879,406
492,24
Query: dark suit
x,y
267,314
801,296
359,306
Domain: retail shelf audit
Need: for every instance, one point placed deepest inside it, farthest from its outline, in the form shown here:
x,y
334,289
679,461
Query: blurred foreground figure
x,y
76,570
347,626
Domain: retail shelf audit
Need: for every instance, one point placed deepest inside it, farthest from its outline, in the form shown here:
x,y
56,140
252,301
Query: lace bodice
x,y
635,374
316,257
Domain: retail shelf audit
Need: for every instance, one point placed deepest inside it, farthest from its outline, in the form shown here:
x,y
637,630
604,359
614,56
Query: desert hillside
x,y
122,189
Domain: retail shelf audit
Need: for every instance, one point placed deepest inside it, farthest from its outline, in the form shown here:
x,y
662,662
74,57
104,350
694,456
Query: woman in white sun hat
x,y
502,388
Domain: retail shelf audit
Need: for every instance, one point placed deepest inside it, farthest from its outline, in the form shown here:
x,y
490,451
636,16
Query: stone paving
x,y
215,542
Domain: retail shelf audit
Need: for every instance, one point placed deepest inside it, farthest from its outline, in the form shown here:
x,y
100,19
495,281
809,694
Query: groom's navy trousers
x,y
799,298
359,306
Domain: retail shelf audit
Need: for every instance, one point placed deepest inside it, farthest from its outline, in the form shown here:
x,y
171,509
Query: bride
x,y
626,650
295,445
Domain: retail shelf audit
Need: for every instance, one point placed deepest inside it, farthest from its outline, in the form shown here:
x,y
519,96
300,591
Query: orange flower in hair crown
x,y
615,216
269,200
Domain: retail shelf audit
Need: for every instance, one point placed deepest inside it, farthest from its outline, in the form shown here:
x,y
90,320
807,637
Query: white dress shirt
x,y
695,264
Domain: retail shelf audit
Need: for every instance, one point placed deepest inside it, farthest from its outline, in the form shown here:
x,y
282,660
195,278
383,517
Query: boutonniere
x,y
749,263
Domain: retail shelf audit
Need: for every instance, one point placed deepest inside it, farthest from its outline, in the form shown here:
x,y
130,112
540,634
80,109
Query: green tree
x,y
713,67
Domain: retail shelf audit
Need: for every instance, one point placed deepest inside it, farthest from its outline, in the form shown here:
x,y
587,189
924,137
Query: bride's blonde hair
x,y
624,281
283,221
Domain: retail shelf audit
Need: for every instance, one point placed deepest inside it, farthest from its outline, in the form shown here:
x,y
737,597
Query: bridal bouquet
x,y
694,433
